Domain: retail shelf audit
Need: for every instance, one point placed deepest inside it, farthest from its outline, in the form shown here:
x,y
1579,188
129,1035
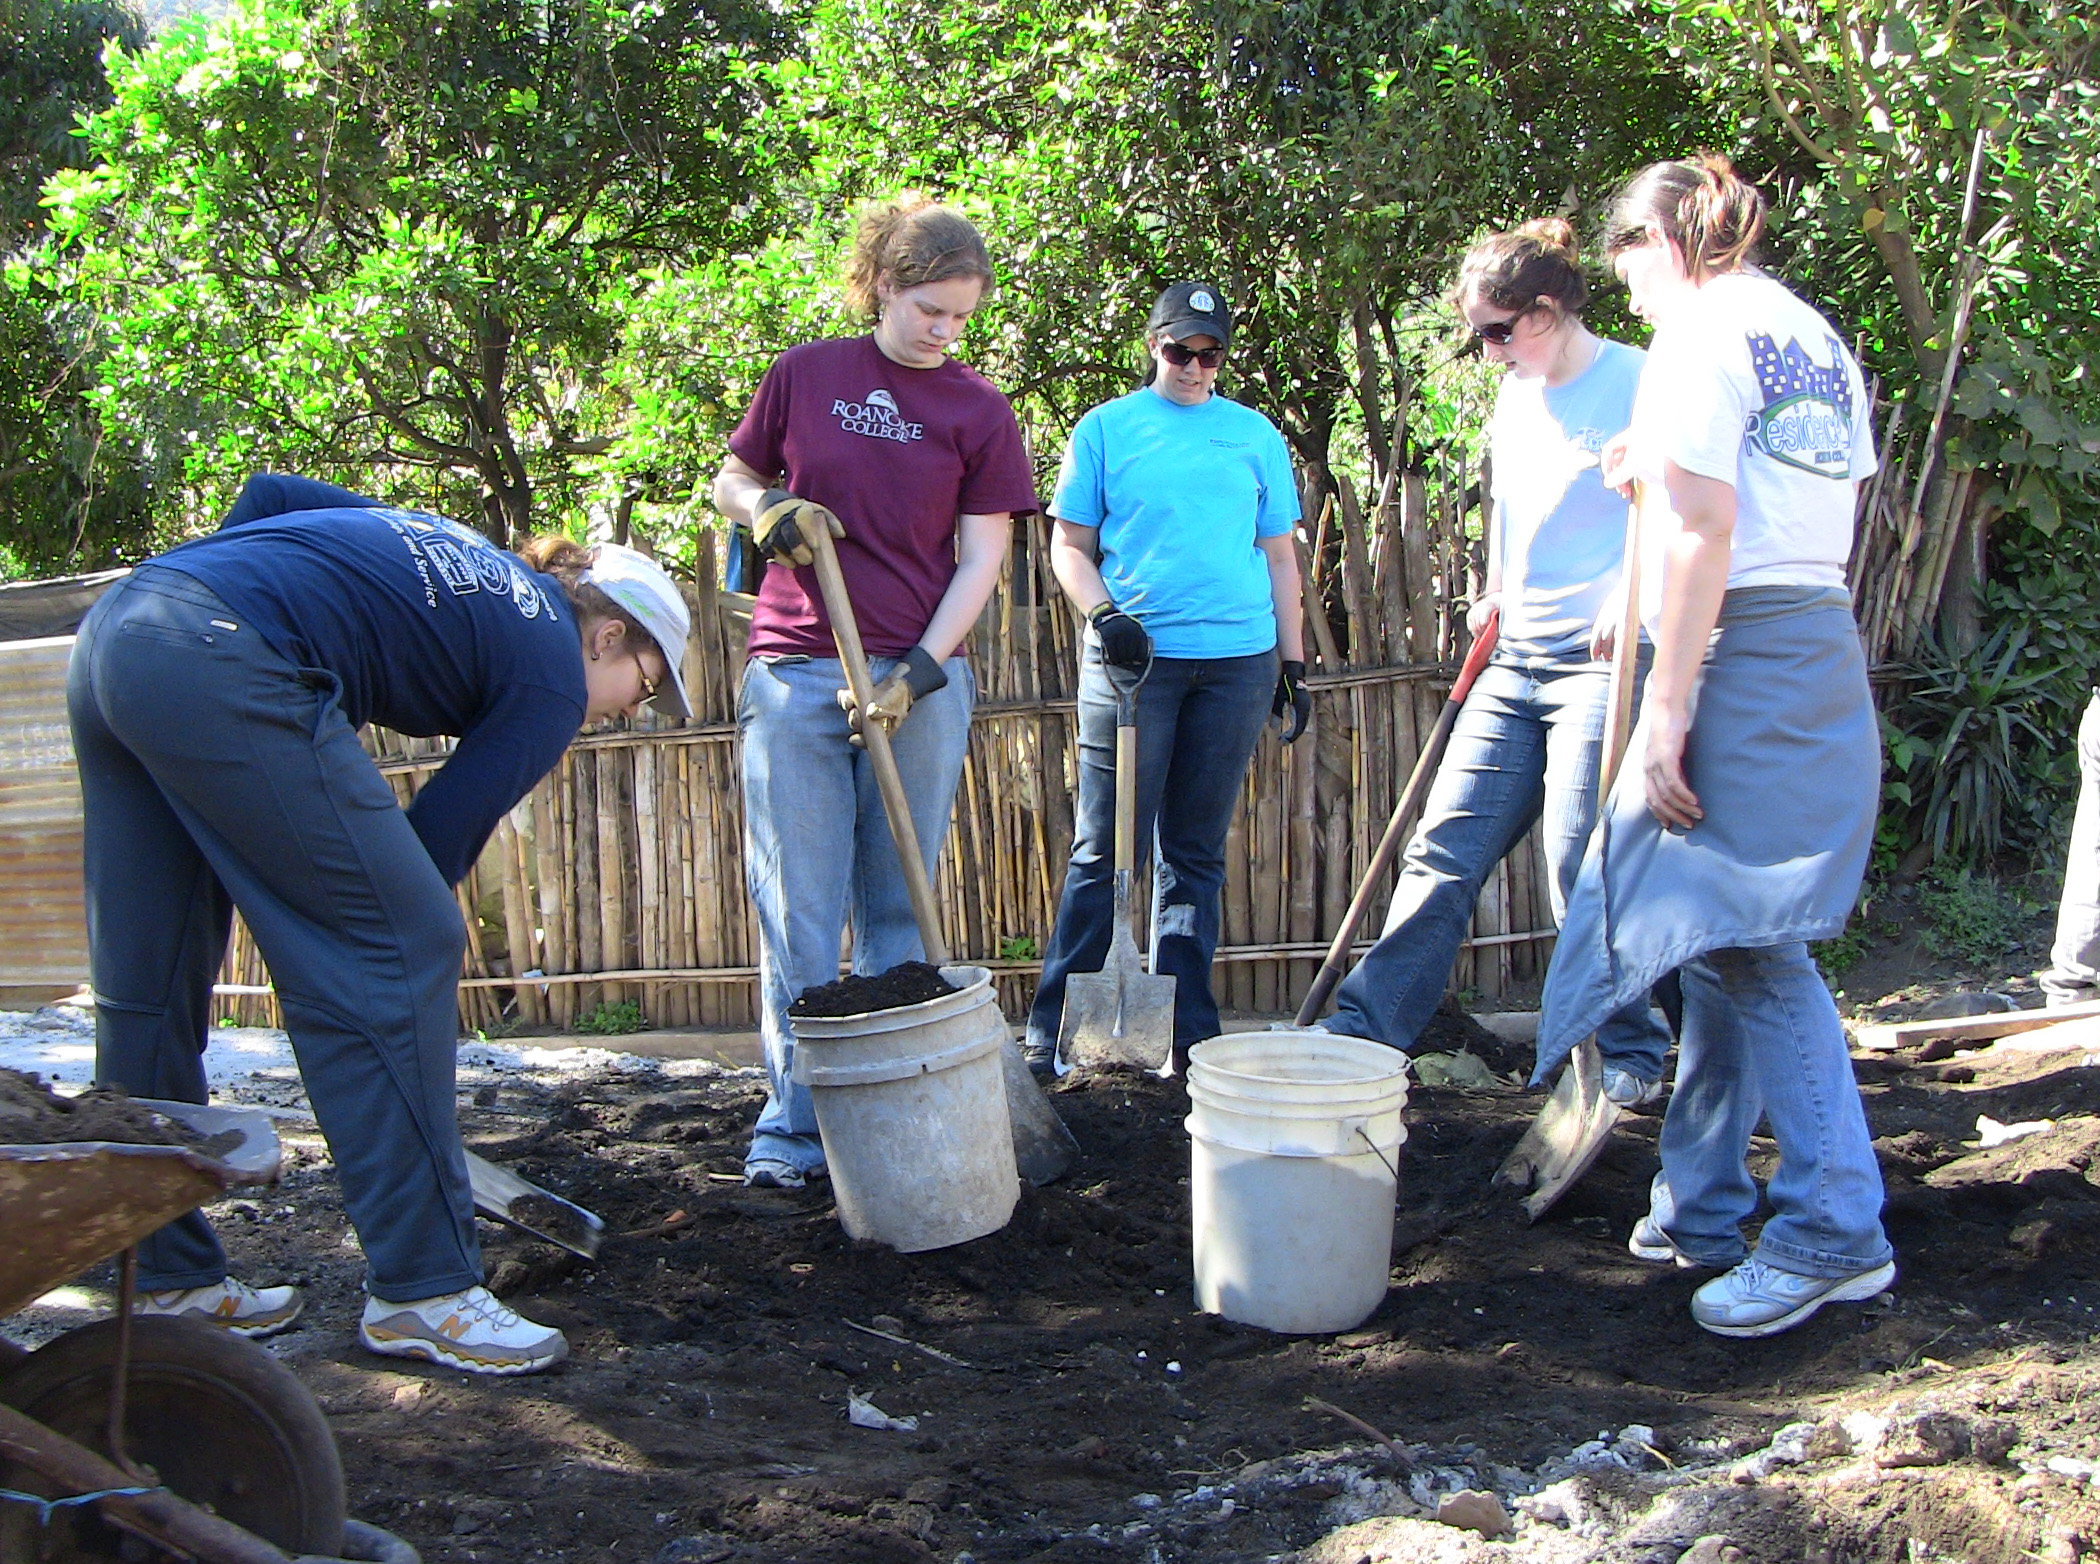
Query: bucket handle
x,y
1363,1135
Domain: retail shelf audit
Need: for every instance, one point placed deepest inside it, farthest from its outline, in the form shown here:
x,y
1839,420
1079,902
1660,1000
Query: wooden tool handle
x,y
1337,959
1626,655
831,583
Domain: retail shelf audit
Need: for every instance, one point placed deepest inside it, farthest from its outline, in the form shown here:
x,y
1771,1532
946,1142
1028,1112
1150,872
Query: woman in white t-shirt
x,y
1743,831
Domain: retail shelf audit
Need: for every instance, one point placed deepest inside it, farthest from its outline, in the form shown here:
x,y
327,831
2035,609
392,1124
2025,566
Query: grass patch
x,y
1972,918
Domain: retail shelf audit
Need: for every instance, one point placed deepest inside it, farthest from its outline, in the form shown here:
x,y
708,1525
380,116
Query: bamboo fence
x,y
622,877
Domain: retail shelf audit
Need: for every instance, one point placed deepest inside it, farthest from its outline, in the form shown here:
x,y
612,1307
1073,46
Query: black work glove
x,y
890,701
1292,698
1124,642
780,523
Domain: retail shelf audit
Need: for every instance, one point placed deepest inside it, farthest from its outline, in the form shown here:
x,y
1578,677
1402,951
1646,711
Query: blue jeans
x,y
1530,739
818,849
1762,1040
1198,720
214,773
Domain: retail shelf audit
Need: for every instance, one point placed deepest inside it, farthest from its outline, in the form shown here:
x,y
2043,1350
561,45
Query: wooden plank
x,y
1937,1039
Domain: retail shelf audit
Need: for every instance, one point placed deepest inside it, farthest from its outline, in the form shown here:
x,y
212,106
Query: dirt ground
x,y
1072,1405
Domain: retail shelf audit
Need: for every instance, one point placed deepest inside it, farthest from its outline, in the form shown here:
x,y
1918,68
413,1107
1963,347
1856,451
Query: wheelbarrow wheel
x,y
215,1418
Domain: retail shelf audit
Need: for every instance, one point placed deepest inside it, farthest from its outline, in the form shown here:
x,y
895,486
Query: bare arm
x,y
737,489
1282,554
1074,560
1695,574
981,550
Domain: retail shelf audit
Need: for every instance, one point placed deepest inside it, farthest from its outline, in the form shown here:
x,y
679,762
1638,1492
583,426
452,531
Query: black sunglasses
x,y
1499,332
1180,357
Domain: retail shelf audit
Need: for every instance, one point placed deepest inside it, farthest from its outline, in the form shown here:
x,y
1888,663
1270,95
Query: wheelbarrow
x,y
150,1439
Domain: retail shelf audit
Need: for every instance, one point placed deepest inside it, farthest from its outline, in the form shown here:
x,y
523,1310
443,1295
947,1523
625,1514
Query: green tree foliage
x,y
69,496
383,239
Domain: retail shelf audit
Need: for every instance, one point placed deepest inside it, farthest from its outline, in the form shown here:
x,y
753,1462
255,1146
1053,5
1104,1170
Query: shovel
x,y
503,1196
1043,1147
1571,1130
1331,969
1121,1015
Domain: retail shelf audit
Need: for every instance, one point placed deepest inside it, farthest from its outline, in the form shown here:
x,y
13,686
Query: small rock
x,y
937,1491
1716,1549
1865,1431
409,1396
1790,1445
1924,1439
1473,1510
2070,1466
507,1277
705,1547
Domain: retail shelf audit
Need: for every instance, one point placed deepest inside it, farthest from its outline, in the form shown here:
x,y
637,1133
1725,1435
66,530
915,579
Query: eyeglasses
x,y
649,685
1181,357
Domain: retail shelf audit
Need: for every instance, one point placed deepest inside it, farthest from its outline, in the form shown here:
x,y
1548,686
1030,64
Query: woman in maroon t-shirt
x,y
915,464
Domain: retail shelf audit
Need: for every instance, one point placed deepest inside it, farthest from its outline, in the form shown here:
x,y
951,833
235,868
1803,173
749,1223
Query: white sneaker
x,y
1756,1299
471,1330
1629,1090
1649,1242
231,1305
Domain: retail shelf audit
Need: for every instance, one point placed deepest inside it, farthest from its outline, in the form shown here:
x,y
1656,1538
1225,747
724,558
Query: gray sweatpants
x,y
217,774
2074,961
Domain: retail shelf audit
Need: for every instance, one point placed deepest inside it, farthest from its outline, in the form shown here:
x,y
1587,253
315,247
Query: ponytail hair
x,y
1513,271
1702,205
909,241
566,560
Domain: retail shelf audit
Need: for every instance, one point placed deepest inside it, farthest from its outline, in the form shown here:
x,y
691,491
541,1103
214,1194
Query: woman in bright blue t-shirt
x,y
1175,509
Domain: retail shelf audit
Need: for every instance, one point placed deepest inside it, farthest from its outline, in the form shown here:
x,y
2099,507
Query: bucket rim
x,y
863,1022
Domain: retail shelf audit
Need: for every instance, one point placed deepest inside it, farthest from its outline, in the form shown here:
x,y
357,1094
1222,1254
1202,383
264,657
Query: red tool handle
x,y
1410,800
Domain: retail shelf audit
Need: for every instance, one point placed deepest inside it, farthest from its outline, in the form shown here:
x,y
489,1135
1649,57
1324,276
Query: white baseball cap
x,y
640,586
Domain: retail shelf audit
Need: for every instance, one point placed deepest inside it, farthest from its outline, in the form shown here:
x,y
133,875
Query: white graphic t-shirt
x,y
1749,385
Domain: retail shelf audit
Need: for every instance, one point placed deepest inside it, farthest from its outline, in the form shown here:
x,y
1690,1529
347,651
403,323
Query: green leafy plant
x,y
1020,947
1969,748
1972,918
612,1019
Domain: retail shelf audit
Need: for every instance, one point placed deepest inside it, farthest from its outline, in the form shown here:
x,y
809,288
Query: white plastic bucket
x,y
911,1104
1293,1147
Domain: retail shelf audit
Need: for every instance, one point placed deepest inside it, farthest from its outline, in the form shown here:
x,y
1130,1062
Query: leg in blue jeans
x,y
818,848
1762,1039
212,767
2074,960
1528,739
1198,721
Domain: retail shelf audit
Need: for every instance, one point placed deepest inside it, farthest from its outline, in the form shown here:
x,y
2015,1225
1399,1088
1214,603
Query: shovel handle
x,y
845,630
1410,800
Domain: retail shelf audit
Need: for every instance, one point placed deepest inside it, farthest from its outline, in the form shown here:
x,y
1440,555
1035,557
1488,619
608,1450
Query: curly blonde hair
x,y
909,241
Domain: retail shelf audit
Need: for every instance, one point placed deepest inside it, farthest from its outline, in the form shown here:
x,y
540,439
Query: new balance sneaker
x,y
1649,1242
471,1330
229,1304
1756,1299
1629,1090
773,1173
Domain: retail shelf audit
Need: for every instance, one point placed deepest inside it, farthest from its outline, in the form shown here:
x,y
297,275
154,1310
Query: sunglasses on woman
x,y
1499,332
1180,357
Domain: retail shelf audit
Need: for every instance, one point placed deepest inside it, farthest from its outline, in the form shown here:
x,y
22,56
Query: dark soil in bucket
x,y
908,983
31,1114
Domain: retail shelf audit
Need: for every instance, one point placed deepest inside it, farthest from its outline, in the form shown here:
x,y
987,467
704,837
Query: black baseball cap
x,y
1192,309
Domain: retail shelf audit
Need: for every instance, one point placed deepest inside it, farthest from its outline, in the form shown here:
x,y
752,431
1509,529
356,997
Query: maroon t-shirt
x,y
897,454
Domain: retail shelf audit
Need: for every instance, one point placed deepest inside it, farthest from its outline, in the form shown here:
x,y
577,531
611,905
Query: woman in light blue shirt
x,y
1531,735
1175,508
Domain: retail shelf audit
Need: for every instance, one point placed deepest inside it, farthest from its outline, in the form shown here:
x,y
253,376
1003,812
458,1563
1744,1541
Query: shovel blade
x,y
1043,1147
504,1197
1119,1015
1567,1136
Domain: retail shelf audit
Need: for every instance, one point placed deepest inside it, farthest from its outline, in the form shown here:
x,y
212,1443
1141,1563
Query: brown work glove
x,y
891,699
780,524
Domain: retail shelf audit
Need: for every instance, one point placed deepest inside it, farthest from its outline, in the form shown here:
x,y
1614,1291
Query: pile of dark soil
x,y
31,1114
908,983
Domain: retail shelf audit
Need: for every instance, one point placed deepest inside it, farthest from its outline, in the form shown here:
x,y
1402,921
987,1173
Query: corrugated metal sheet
x,y
43,931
